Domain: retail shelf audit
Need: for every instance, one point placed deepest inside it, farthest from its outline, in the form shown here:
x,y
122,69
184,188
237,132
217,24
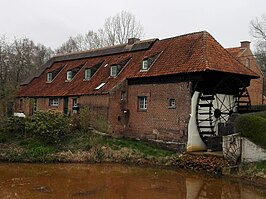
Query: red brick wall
x,y
256,85
98,102
23,105
159,121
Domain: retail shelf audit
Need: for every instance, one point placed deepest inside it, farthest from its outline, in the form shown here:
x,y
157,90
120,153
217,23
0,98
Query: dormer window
x,y
87,75
148,61
145,64
49,77
52,74
69,75
113,71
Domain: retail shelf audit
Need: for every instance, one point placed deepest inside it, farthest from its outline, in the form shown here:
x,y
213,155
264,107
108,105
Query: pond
x,y
113,181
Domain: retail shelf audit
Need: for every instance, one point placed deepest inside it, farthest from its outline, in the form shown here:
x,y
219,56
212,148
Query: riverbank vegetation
x,y
253,127
52,137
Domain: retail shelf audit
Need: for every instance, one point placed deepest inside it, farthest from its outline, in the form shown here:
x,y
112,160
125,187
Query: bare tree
x,y
71,45
119,28
116,30
18,59
258,32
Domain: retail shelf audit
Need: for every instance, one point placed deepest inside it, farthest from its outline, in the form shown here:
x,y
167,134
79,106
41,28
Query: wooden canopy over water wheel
x,y
217,106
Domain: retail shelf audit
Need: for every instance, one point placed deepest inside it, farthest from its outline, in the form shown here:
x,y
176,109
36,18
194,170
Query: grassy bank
x,y
85,146
51,137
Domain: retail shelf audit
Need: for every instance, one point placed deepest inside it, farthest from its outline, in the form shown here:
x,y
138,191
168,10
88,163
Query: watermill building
x,y
174,90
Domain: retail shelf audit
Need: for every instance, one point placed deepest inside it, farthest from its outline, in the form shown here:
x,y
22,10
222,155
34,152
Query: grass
x,y
138,146
253,127
255,168
86,140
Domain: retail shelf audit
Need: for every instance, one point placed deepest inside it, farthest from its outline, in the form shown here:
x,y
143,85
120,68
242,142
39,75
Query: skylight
x,y
100,86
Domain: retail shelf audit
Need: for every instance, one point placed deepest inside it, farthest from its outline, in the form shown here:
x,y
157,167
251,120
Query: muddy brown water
x,y
113,181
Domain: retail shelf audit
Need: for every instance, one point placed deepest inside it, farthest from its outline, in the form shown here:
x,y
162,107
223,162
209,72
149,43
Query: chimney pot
x,y
131,41
245,44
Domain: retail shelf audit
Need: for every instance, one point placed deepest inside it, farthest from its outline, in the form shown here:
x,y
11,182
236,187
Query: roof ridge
x,y
205,46
104,48
184,35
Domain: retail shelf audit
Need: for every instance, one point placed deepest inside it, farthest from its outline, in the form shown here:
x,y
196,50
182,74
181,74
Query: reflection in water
x,y
75,181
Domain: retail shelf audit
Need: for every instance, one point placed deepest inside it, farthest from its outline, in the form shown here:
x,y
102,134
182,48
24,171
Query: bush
x,y
88,118
12,126
3,138
49,127
253,127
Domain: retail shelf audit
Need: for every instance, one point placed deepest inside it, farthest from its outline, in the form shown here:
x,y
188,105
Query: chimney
x,y
245,44
131,41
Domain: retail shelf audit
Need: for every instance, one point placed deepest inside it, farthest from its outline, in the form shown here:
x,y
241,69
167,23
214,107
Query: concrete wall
x,y
252,152
236,147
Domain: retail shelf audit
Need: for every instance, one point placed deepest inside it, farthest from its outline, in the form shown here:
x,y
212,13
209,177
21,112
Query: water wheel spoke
x,y
222,104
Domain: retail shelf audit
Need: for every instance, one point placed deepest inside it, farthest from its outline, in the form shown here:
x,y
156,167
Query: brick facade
x,y
244,55
151,102
159,120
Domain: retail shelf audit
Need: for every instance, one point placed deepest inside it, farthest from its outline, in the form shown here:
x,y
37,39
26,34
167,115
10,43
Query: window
x,y
49,77
142,103
75,102
113,71
122,97
87,74
75,105
145,64
54,102
34,104
20,104
69,75
171,103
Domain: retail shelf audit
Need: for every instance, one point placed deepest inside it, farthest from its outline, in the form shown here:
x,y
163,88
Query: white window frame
x,y
87,74
145,65
142,103
69,75
54,102
113,71
49,77
75,102
171,103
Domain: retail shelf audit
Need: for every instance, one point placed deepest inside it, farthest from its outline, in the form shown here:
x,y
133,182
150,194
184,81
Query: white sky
x,y
51,22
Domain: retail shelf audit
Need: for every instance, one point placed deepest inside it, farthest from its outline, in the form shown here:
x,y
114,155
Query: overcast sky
x,y
51,22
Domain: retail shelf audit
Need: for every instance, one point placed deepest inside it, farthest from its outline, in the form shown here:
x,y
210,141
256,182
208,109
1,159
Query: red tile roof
x,y
236,51
195,52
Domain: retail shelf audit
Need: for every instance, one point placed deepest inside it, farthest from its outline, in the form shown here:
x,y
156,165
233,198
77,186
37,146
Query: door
x,y
66,105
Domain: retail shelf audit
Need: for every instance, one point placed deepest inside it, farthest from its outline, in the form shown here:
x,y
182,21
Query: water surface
x,y
112,181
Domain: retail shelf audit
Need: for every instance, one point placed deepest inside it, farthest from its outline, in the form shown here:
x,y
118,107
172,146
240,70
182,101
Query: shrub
x,y
49,127
3,138
12,126
253,127
89,118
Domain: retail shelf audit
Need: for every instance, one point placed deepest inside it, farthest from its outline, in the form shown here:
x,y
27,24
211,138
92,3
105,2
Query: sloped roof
x,y
236,51
190,53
